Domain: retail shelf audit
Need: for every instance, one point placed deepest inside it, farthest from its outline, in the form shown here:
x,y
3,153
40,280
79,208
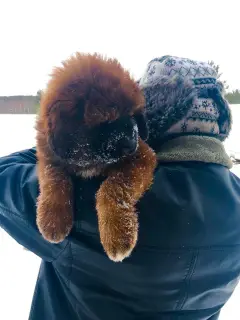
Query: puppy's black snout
x,y
128,146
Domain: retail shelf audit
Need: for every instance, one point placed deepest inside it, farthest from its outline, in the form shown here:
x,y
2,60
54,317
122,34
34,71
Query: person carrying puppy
x,y
186,263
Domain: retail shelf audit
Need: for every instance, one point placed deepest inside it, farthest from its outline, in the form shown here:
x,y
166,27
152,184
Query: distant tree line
x,y
31,104
39,94
18,104
233,97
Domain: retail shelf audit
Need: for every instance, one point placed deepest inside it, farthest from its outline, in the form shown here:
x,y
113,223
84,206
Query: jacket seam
x,y
71,265
189,249
172,249
4,209
24,159
28,226
60,253
188,278
185,277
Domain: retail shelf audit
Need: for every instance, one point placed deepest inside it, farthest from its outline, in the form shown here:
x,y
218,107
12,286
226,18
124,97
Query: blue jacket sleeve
x,y
18,196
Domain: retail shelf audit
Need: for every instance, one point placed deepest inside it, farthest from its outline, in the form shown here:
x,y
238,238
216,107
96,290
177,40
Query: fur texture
x,y
92,122
167,101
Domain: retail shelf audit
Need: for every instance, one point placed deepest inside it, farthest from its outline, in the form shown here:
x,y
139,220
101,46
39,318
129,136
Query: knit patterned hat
x,y
184,97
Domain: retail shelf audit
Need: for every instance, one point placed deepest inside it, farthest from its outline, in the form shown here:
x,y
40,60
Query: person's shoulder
x,y
191,174
193,167
19,183
185,201
23,156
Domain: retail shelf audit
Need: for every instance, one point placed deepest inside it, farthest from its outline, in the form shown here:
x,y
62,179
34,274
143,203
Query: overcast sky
x,y
36,35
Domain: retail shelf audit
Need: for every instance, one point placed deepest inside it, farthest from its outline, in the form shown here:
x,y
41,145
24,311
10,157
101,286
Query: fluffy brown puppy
x,y
91,122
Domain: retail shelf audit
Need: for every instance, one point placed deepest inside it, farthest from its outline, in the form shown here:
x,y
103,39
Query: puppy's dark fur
x,y
92,122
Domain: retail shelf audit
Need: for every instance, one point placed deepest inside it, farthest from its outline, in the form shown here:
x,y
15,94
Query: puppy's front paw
x,y
120,248
119,235
53,220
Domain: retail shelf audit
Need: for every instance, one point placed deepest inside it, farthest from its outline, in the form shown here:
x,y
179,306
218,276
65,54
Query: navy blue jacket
x,y
185,266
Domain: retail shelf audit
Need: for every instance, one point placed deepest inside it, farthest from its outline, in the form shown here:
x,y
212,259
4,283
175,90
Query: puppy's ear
x,y
141,121
64,119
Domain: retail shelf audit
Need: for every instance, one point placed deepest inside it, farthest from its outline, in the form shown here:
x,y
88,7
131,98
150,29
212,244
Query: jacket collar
x,y
194,148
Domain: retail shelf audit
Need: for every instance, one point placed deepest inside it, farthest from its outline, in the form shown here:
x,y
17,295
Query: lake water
x,y
19,268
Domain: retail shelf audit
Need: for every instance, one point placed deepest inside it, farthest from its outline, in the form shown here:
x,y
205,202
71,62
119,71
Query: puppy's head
x,y
92,112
